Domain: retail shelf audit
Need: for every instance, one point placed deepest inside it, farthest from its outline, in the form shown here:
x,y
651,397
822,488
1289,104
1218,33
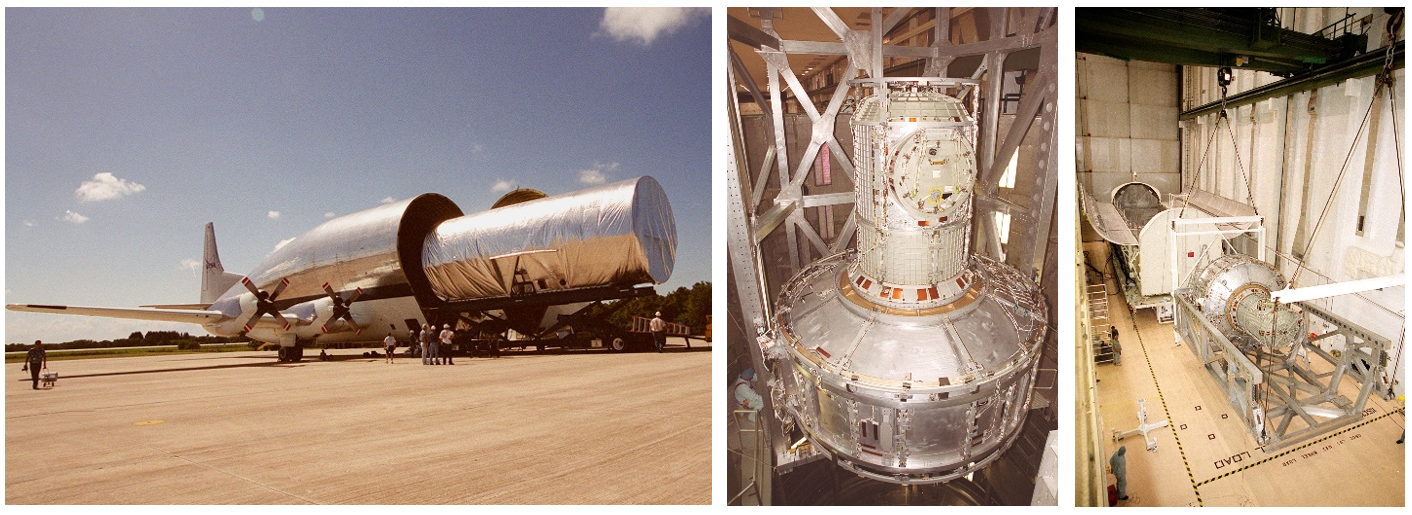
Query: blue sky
x,y
127,130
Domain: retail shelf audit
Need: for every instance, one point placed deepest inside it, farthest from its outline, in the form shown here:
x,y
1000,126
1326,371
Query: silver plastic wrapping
x,y
617,234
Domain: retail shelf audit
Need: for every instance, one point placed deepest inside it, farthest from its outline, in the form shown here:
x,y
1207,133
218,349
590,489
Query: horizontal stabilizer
x,y
165,315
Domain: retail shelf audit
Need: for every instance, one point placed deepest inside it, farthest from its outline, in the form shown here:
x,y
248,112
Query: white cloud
x,y
274,215
388,200
104,186
591,177
329,214
190,264
597,174
644,24
281,244
502,186
72,217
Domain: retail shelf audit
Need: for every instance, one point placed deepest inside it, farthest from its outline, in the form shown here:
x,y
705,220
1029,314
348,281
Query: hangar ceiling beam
x,y
1247,38
1362,66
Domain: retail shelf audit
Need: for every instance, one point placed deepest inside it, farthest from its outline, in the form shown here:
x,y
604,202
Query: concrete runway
x,y
582,427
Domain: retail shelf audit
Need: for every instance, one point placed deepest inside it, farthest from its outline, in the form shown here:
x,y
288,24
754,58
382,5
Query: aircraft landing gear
x,y
292,354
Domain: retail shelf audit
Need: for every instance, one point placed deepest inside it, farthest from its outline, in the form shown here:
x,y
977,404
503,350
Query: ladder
x,y
1098,323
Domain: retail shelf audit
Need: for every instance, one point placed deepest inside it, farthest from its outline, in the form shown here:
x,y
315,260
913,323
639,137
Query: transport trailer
x,y
579,321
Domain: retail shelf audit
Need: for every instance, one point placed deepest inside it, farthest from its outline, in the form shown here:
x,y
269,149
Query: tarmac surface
x,y
579,427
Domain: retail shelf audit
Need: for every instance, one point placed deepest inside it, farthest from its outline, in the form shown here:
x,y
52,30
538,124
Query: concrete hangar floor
x,y
585,427
1206,458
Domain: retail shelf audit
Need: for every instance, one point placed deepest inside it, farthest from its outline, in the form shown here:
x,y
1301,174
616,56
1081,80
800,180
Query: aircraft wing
x,y
165,315
188,307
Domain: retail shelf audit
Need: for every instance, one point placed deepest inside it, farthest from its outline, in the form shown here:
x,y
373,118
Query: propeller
x,y
340,308
265,303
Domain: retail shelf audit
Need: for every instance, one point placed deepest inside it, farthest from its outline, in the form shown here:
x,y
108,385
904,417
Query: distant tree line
x,y
688,306
136,339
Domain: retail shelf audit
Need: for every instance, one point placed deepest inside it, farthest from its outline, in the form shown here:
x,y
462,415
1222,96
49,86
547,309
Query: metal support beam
x,y
828,199
990,114
1362,66
745,265
749,82
739,231
1043,93
766,222
755,38
758,190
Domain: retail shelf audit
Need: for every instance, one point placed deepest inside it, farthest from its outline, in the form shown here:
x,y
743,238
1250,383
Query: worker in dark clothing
x,y
1119,464
1117,349
35,360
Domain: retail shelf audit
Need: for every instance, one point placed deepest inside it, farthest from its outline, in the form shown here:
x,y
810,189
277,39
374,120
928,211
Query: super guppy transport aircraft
x,y
532,264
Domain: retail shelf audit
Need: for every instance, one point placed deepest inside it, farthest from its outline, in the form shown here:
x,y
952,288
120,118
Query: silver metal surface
x,y
358,250
617,234
1105,218
904,398
909,360
770,253
1258,352
1233,292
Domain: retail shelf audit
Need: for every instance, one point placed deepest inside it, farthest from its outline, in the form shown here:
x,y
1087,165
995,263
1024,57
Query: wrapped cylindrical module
x,y
613,235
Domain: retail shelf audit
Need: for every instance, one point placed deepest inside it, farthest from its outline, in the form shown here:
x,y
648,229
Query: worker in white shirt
x,y
389,344
659,331
447,335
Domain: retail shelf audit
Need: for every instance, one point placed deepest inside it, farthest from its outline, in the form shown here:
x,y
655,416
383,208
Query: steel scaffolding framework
x,y
752,217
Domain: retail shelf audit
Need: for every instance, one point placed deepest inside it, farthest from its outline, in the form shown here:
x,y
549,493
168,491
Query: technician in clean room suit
x,y
745,396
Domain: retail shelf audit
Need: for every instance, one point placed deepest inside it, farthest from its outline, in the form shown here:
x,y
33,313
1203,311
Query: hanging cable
x,y
1393,24
1224,77
1379,81
1249,189
1197,174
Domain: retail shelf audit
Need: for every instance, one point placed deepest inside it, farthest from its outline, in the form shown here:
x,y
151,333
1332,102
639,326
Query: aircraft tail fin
x,y
214,279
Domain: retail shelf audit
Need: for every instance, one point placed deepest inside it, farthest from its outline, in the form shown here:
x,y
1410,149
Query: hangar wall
x,y
1284,155
1125,124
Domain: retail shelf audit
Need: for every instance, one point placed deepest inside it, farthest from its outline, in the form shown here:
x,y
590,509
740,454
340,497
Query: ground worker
x,y
1119,464
424,340
35,359
447,335
659,331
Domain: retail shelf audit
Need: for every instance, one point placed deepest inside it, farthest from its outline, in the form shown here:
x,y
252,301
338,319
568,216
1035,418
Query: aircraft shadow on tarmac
x,y
347,357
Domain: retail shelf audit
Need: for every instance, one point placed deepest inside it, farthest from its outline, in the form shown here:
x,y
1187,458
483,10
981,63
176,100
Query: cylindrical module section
x,y
1233,292
907,398
908,360
612,235
916,173
1273,325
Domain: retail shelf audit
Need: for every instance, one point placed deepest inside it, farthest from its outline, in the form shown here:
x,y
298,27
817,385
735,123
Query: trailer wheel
x,y
619,345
